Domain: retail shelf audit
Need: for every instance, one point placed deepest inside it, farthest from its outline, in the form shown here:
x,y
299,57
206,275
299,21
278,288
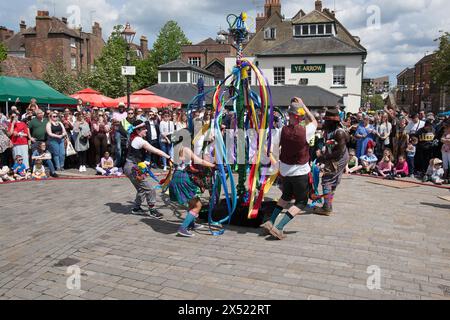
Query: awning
x,y
146,99
95,98
26,89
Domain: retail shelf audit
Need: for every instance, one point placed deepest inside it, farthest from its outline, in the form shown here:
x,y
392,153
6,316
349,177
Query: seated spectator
x,y
352,162
38,171
411,154
385,167
41,153
5,174
20,170
106,166
435,172
401,170
368,163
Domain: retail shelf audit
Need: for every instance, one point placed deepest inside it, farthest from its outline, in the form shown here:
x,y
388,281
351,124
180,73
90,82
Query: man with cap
x,y
117,117
334,157
294,166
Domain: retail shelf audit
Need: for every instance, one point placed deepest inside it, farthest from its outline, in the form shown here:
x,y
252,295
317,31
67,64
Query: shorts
x,y
296,187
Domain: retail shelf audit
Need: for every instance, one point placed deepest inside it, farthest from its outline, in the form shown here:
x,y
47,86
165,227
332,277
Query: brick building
x,y
405,86
52,39
210,54
418,92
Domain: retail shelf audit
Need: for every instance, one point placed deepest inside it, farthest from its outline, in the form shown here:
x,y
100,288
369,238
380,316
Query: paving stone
x,y
127,257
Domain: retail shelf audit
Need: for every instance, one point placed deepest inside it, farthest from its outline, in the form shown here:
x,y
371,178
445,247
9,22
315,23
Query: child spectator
x,y
368,162
435,173
4,174
385,166
401,170
410,154
20,170
106,166
195,205
38,171
352,162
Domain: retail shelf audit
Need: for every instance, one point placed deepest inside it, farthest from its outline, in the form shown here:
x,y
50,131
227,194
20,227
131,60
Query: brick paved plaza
x,y
47,226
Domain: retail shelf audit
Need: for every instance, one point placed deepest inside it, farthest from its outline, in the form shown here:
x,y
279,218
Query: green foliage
x,y
167,46
376,101
3,53
60,78
106,76
146,73
441,64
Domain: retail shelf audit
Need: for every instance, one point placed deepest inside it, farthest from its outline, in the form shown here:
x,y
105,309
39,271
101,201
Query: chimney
x,y
97,30
318,5
22,26
270,7
260,21
43,23
5,33
64,20
144,45
42,13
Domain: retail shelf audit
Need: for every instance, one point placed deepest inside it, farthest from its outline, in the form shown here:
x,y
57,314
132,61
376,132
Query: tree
x,y
3,53
107,76
441,65
146,73
58,77
167,46
376,102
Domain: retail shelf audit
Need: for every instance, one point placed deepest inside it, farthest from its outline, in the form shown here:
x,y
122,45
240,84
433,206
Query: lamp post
x,y
128,35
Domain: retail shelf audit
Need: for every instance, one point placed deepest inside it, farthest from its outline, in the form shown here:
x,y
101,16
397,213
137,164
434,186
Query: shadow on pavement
x,y
120,208
161,226
440,206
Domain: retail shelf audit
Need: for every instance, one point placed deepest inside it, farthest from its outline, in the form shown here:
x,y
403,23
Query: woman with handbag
x,y
83,134
56,141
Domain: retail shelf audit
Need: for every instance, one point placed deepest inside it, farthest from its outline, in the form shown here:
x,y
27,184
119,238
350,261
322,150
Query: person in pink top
x,y
385,166
401,170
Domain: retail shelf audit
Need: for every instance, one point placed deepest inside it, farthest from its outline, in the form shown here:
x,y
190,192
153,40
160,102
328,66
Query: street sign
x,y
128,71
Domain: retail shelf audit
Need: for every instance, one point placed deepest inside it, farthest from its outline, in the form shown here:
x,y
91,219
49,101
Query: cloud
x,y
405,32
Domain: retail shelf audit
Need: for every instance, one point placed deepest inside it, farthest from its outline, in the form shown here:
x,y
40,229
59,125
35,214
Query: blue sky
x,y
404,34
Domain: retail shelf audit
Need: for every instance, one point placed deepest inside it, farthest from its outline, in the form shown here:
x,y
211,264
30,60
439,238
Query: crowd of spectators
x,y
38,143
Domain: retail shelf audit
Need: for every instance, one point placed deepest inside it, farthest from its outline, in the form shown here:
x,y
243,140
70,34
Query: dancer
x,y
184,190
334,157
137,148
294,166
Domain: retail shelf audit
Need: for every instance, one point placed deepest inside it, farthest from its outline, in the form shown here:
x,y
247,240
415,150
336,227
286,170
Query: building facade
x,y
180,72
311,49
416,90
52,40
210,54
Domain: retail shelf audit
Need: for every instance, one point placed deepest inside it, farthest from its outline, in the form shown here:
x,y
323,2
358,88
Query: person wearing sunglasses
x,y
56,137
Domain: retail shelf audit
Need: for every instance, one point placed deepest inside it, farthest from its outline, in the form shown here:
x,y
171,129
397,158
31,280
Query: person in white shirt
x,y
294,166
414,125
166,129
117,117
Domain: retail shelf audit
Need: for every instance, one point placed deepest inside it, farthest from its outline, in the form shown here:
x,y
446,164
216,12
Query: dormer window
x,y
270,34
311,30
